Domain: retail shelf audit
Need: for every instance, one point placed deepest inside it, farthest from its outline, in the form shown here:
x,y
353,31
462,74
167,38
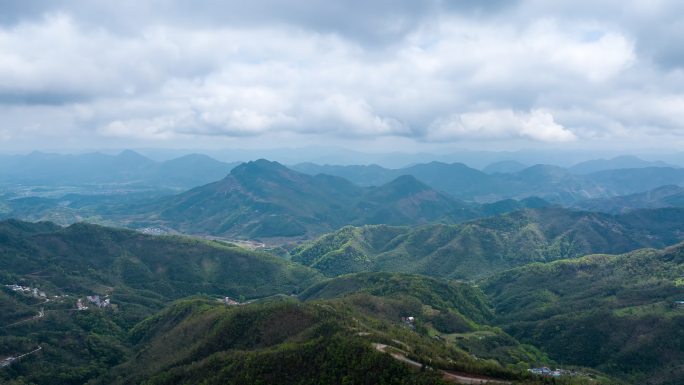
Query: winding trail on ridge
x,y
458,378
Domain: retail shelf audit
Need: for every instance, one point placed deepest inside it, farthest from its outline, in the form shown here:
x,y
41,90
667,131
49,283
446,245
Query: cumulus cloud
x,y
429,70
501,124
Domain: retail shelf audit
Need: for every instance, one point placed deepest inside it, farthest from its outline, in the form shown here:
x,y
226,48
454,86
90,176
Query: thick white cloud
x,y
431,71
501,124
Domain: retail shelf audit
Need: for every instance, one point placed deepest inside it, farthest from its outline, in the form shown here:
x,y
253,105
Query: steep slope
x,y
612,312
481,247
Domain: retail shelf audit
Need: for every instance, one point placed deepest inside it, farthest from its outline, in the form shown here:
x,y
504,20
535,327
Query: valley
x,y
269,271
312,192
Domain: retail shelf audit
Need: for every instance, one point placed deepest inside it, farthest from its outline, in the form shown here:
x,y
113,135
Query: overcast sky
x,y
387,74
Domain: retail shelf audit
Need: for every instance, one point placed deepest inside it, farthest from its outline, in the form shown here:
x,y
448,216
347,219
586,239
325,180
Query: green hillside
x,y
441,295
342,332
458,314
616,313
288,342
139,274
89,258
281,342
481,247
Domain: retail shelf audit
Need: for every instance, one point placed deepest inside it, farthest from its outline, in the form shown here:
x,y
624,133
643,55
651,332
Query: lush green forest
x,y
140,274
481,247
612,312
290,342
340,330
368,192
521,303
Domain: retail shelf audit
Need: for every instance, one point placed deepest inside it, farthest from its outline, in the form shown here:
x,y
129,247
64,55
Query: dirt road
x,y
458,378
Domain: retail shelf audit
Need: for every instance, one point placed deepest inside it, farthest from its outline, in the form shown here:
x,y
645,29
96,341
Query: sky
x,y
374,75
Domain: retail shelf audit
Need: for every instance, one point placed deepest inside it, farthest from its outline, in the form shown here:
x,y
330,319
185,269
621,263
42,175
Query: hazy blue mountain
x,y
266,199
665,196
635,180
551,183
406,200
510,205
371,175
504,167
456,178
460,181
620,162
263,199
127,168
189,171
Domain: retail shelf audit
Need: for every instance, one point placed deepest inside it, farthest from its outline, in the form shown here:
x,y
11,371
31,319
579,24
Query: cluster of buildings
x,y
80,305
27,290
546,372
153,231
228,301
95,300
99,302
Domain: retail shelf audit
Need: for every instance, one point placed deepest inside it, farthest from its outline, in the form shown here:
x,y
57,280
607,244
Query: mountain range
x,y
552,183
126,168
480,247
164,324
613,313
665,196
263,199
617,163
